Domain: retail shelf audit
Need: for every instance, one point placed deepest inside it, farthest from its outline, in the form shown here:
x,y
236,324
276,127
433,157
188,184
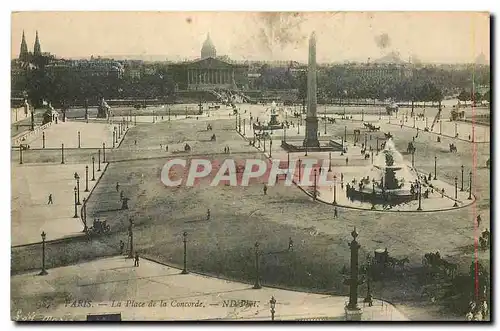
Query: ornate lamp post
x,y
300,169
413,159
20,154
470,186
272,304
131,236
98,160
79,141
76,212
43,139
114,141
334,190
362,114
330,162
84,215
342,146
43,272
435,167
372,156
373,194
377,146
419,196
368,297
352,306
264,141
288,159
244,127
62,153
456,129
270,147
86,178
345,133
184,240
315,185
77,177
257,275
462,186
103,152
456,192
440,127
93,168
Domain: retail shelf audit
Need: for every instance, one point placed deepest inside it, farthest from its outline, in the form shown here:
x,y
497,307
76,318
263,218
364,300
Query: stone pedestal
x,y
353,314
273,120
311,139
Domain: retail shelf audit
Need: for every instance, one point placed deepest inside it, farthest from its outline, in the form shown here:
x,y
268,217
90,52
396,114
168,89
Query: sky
x,y
431,37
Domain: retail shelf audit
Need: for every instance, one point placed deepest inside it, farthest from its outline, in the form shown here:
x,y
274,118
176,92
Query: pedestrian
x,y
121,195
208,214
117,186
166,148
122,246
228,151
265,189
478,220
346,161
135,142
50,200
335,213
136,260
442,193
290,244
161,147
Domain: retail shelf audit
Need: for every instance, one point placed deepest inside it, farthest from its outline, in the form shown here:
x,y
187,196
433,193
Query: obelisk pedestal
x,y
311,138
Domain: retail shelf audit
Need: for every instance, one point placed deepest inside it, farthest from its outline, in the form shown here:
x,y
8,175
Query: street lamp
x,y
470,186
257,276
93,168
43,272
20,154
419,196
342,146
345,133
462,186
373,194
79,145
330,162
456,192
86,178
99,160
435,167
315,185
76,213
131,236
62,153
272,304
300,166
184,240
77,177
413,158
270,147
334,190
84,215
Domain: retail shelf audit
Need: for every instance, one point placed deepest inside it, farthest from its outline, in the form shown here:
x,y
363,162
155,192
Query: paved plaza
x,y
113,285
31,213
217,247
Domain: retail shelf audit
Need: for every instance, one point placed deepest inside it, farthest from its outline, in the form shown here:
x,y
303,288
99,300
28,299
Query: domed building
x,y
208,49
209,72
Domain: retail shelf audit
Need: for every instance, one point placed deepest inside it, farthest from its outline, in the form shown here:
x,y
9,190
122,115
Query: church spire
x,y
37,51
23,53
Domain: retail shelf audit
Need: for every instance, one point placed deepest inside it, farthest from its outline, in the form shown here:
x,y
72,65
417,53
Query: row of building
x,y
209,72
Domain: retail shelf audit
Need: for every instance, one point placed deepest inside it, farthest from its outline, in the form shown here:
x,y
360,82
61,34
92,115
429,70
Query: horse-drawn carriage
x,y
411,148
99,227
484,240
453,148
434,262
213,138
187,148
371,127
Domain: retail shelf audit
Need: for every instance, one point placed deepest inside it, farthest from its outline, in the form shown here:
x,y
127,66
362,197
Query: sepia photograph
x,y
250,166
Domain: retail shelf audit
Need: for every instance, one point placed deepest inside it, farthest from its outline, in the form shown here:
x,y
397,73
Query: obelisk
x,y
311,138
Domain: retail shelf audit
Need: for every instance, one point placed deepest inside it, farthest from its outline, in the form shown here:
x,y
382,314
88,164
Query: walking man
x,y
265,189
290,244
50,200
346,161
335,213
478,220
121,195
136,260
122,246
117,186
208,214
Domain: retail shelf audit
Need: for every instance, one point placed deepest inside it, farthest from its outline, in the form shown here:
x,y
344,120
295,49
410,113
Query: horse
x,y
450,268
388,135
453,148
401,263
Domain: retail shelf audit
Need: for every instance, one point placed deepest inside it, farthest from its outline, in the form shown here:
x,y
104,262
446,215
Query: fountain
x,y
273,123
389,180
